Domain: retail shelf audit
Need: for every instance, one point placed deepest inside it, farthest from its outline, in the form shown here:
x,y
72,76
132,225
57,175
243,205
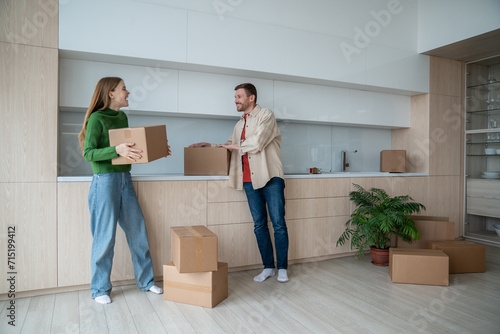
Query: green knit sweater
x,y
96,148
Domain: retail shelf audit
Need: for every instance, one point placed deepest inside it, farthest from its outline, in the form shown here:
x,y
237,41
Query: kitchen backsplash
x,y
303,145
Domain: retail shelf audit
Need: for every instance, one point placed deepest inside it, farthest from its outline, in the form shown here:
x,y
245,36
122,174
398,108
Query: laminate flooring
x,y
340,295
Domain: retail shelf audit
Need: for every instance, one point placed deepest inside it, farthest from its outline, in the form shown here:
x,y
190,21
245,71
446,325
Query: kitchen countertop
x,y
182,177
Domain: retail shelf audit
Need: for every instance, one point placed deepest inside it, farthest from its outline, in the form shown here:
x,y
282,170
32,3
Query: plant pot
x,y
380,257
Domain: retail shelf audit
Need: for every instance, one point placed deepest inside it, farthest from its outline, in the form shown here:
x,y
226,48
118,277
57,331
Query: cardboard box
x,y
203,289
465,256
393,161
431,229
194,249
206,161
419,266
152,140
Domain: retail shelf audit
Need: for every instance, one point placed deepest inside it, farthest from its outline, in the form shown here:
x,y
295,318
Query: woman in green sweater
x,y
112,198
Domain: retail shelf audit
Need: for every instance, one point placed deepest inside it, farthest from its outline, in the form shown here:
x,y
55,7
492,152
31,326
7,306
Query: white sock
x,y
282,275
156,290
104,299
268,272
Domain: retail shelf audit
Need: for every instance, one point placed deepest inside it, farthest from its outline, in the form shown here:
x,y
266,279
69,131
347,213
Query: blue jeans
x,y
273,194
112,199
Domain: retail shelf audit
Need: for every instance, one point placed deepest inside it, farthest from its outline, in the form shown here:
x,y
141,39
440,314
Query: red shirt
x,y
246,166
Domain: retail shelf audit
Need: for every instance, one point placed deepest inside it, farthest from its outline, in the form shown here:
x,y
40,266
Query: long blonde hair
x,y
100,101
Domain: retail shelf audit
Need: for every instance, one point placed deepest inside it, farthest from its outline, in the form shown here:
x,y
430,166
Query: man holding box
x,y
256,167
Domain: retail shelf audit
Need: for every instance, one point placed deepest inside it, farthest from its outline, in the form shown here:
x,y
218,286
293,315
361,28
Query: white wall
x,y
368,43
444,22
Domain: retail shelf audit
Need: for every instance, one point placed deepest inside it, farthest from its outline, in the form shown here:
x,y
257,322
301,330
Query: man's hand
x,y
230,147
203,144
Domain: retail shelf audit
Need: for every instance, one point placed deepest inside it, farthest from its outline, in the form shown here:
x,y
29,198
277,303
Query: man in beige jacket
x,y
256,167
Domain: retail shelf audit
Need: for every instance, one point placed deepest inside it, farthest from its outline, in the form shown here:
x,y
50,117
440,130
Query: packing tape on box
x,y
127,133
198,241
186,286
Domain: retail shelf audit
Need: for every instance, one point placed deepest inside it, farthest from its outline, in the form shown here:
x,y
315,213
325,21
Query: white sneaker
x,y
156,290
104,299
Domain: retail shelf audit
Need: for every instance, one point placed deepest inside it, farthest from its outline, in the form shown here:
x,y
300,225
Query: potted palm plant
x,y
377,218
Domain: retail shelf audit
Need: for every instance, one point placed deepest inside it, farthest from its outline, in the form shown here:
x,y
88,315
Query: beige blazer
x,y
262,143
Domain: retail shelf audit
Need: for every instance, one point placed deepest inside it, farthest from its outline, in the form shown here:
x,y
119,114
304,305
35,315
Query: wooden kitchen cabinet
x,y
29,208
316,212
74,239
166,204
316,237
237,244
28,109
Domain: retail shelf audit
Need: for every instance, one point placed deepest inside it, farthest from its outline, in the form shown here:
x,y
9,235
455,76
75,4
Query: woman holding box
x,y
112,198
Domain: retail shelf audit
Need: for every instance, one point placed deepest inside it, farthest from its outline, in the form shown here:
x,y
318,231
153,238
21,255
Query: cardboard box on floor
x,y
206,161
393,161
465,256
431,229
205,289
194,249
152,140
419,266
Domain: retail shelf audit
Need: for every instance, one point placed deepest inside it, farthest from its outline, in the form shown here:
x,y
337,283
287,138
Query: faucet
x,y
345,164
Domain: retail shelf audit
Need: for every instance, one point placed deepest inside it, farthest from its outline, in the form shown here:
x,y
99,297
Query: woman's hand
x,y
168,150
125,150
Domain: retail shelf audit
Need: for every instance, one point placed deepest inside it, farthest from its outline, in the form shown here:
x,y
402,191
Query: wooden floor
x,y
332,296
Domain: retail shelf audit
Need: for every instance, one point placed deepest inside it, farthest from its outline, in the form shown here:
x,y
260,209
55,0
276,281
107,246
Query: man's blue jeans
x,y
273,194
112,199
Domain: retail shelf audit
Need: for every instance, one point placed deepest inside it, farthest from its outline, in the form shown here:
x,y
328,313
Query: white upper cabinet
x,y
397,69
271,49
152,88
179,92
213,94
369,44
445,22
301,102
131,28
342,106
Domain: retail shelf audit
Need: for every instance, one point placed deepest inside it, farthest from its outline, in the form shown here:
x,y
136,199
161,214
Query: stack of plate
x,y
490,151
491,175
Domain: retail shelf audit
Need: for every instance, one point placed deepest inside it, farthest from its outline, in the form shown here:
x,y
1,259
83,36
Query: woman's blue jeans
x,y
112,199
273,194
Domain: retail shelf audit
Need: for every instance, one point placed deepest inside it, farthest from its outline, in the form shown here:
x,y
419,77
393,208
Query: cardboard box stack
x,y
435,255
195,276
